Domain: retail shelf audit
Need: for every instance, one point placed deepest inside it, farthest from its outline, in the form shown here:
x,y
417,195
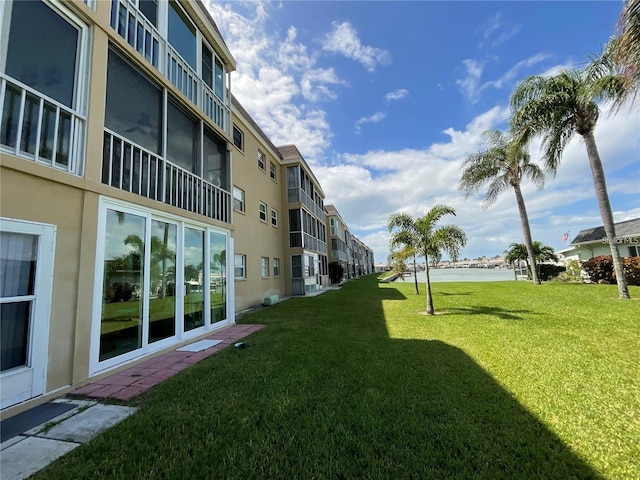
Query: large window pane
x,y
149,9
14,334
182,140
134,105
215,160
162,286
18,253
10,114
193,278
121,322
42,50
219,80
182,34
218,276
207,66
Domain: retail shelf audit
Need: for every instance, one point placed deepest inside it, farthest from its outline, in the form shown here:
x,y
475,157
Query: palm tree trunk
x,y
526,233
430,309
415,275
602,196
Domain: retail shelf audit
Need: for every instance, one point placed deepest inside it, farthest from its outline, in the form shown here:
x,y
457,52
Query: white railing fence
x,y
132,168
39,128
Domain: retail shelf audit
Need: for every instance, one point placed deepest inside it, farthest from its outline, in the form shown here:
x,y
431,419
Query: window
x,y
42,49
634,251
240,263
134,104
207,66
274,217
238,199
182,147
272,171
51,67
26,270
264,266
261,161
215,160
219,79
332,221
193,279
238,138
296,266
276,267
149,9
182,34
262,210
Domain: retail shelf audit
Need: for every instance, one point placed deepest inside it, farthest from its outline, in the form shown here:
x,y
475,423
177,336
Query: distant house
x,y
592,242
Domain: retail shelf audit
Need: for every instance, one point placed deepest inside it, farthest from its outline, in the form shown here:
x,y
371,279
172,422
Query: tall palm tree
x,y
503,166
556,108
627,46
404,235
431,240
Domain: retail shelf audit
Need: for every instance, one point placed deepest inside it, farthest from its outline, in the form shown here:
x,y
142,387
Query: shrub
x,y
336,272
600,269
548,271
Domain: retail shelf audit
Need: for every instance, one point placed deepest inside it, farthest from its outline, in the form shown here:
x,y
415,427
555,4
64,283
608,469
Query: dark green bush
x,y
548,271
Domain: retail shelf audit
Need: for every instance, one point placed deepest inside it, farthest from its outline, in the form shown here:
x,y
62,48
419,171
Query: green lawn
x,y
509,381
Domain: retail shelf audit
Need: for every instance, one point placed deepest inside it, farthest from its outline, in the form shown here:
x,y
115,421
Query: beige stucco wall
x,y
252,237
41,200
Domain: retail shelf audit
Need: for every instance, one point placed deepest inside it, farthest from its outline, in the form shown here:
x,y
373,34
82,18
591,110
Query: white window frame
x,y
28,381
243,265
274,217
276,267
97,366
262,212
273,172
264,267
241,200
77,155
262,161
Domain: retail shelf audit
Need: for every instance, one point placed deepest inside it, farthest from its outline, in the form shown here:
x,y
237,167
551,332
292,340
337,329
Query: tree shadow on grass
x,y
498,312
447,294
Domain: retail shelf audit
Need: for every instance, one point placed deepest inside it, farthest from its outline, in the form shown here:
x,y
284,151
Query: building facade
x,y
140,205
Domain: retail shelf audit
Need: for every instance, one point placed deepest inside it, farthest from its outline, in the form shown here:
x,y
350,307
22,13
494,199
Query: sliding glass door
x,y
161,280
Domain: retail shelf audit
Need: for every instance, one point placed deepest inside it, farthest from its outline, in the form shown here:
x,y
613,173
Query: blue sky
x,y
385,100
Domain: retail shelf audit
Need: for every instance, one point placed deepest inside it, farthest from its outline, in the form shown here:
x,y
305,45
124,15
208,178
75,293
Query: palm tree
x,y
404,235
626,47
502,166
555,108
541,253
431,240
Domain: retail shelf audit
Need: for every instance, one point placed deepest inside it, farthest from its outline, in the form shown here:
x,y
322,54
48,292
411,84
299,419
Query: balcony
x,y
297,194
39,128
132,168
144,37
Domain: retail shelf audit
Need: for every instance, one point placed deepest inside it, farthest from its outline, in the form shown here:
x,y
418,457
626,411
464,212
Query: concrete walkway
x,y
33,448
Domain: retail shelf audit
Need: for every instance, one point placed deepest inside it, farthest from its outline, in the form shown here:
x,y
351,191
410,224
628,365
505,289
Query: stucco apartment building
x,y
140,205
352,257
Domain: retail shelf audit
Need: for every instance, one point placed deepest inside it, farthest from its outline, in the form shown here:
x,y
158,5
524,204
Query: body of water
x,y
462,275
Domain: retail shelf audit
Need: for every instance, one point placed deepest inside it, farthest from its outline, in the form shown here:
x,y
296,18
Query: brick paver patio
x,y
126,384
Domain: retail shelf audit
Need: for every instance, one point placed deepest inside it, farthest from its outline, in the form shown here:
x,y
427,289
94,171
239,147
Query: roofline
x,y
304,162
239,110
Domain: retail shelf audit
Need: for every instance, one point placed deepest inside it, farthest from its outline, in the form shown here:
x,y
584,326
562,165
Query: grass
x,y
509,381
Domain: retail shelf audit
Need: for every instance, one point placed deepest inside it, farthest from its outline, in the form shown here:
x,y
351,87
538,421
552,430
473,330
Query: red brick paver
x,y
138,379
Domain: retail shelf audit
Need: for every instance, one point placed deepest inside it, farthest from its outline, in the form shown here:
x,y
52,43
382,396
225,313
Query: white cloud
x,y
472,87
375,118
494,35
277,80
469,84
397,95
344,40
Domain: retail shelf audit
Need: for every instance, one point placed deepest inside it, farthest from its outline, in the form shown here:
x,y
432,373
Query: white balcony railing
x,y
39,128
132,168
143,36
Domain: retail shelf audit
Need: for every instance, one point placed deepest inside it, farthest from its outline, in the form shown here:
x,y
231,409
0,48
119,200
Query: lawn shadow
x,y
447,294
498,312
